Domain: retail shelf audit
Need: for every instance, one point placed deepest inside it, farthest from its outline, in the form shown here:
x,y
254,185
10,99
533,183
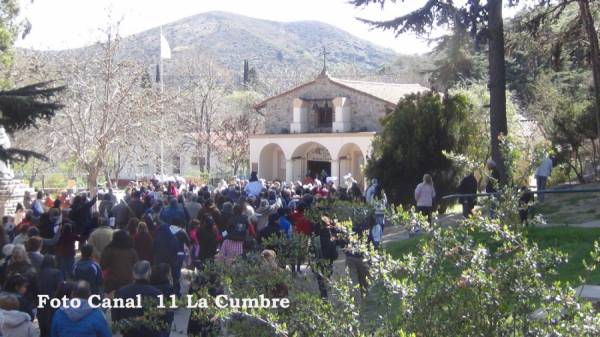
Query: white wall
x,y
336,143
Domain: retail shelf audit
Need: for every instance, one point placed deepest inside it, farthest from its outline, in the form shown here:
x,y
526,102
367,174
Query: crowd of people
x,y
91,243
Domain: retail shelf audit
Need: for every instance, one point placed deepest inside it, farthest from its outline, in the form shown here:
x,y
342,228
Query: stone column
x,y
335,171
341,123
299,123
289,170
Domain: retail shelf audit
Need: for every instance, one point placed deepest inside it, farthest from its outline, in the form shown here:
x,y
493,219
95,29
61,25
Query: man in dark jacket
x,y
81,214
105,207
140,286
173,213
468,185
81,321
152,215
165,245
136,206
166,249
121,214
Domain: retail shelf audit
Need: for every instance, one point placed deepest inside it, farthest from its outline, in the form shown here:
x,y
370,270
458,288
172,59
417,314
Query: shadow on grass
x,y
575,242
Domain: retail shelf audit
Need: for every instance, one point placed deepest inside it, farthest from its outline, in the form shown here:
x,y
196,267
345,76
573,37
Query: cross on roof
x,y
325,53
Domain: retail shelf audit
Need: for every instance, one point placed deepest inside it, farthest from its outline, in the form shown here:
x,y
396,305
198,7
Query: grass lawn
x,y
576,242
576,208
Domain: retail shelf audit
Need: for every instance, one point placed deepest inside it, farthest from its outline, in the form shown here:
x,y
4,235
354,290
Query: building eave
x,y
314,135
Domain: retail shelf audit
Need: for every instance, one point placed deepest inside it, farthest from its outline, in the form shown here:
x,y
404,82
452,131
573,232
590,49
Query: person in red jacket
x,y
301,224
65,250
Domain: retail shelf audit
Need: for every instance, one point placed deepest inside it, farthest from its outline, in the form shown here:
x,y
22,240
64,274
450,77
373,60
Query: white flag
x,y
165,50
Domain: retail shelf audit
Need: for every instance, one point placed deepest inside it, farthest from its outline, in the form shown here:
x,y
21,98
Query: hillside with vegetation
x,y
280,54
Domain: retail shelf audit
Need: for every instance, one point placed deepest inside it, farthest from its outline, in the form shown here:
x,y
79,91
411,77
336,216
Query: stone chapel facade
x,y
326,124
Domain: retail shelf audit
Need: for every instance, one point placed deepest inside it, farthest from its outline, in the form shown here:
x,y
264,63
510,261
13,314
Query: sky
x,y
63,24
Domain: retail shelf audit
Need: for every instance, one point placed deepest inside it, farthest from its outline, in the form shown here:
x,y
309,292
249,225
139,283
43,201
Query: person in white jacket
x,y
15,323
424,195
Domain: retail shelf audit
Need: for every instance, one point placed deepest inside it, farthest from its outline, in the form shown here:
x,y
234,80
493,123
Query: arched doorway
x,y
271,165
351,160
311,158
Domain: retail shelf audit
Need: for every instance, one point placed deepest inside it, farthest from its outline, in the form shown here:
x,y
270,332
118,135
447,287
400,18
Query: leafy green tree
x,y
412,142
568,130
551,60
457,62
562,105
484,21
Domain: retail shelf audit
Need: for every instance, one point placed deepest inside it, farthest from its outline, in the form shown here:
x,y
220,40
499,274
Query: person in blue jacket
x,y
87,269
166,249
285,225
173,213
82,321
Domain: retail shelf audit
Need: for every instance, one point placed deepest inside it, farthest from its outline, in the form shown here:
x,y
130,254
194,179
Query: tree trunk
x,y
107,177
498,124
92,179
208,151
588,23
594,160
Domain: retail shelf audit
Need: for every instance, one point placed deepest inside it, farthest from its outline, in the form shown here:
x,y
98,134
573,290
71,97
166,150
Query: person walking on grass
x,y
424,195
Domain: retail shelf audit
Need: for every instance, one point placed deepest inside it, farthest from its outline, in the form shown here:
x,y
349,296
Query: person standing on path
x,y
424,195
468,185
541,176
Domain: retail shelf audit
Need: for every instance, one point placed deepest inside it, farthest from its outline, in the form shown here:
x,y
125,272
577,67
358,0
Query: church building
x,y
326,124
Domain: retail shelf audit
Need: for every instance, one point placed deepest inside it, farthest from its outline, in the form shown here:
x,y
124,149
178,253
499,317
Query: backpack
x,y
238,232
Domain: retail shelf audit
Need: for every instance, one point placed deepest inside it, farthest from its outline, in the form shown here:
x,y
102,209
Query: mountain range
x,y
272,49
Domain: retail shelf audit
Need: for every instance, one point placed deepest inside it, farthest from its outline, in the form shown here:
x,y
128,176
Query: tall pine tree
x,y
20,108
484,21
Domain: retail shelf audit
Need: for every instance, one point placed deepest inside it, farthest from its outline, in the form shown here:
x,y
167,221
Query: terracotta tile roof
x,y
387,92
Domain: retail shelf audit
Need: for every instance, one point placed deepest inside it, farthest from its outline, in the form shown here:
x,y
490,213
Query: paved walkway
x,y
588,224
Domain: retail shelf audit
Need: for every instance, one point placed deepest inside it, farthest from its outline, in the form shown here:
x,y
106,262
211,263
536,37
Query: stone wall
x,y
365,110
11,193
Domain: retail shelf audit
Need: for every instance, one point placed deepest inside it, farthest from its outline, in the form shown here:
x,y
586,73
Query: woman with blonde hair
x,y
424,195
269,258
20,264
19,256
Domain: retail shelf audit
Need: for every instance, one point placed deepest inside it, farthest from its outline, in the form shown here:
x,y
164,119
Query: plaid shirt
x,y
231,249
